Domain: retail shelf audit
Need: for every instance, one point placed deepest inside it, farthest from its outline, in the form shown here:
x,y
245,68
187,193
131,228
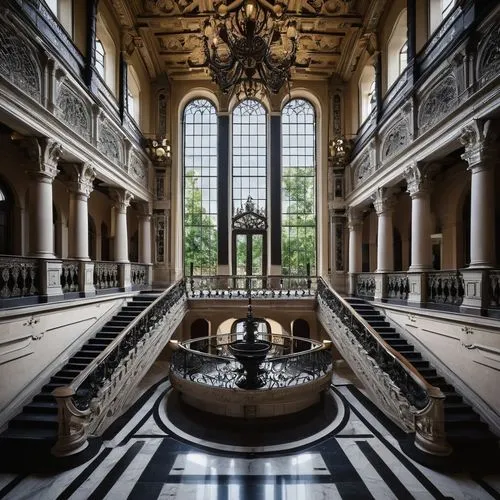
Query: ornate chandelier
x,y
250,47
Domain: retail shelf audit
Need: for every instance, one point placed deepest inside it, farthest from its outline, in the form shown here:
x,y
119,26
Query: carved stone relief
x,y
109,143
18,62
138,169
489,59
71,109
363,169
396,139
438,102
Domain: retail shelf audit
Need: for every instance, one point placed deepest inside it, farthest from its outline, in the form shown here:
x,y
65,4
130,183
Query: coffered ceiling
x,y
168,33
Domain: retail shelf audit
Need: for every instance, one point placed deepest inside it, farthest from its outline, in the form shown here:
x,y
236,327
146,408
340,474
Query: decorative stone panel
x,y
72,110
362,169
138,169
438,102
18,62
489,56
396,138
109,143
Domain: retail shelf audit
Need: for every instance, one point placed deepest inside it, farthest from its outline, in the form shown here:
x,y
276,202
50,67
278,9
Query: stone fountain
x,y
250,352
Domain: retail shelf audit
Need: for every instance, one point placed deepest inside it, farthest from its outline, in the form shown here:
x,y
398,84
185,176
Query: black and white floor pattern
x,y
358,458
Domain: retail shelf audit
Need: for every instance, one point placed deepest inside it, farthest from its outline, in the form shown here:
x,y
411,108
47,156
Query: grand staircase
x,y
32,433
465,431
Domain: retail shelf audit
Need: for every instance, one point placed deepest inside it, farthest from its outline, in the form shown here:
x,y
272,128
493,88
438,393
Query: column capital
x,y
43,156
354,219
121,198
383,200
418,178
480,140
81,177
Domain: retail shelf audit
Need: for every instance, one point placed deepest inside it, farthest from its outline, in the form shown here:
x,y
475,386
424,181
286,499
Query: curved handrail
x,y
405,364
318,346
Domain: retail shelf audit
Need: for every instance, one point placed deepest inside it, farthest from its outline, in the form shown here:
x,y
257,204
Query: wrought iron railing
x,y
365,285
19,277
400,389
209,361
232,286
87,397
106,275
445,287
69,276
398,286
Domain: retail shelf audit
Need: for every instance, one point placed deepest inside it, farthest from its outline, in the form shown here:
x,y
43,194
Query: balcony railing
x,y
236,286
19,277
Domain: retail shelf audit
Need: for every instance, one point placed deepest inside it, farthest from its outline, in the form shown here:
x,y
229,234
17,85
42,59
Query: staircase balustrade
x,y
69,276
95,394
445,287
19,277
365,285
402,393
398,286
139,275
106,275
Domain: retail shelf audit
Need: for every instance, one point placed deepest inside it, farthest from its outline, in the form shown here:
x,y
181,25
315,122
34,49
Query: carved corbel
x,y
43,156
480,139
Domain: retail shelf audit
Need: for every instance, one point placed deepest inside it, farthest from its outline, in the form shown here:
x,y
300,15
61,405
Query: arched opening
x,y
133,94
6,219
105,242
300,328
367,97
200,328
92,238
398,250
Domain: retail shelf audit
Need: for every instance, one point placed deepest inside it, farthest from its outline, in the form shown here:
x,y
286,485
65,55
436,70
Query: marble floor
x,y
143,458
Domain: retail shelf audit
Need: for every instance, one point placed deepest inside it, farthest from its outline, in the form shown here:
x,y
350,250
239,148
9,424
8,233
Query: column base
x,y
380,285
50,280
476,297
87,278
125,276
418,287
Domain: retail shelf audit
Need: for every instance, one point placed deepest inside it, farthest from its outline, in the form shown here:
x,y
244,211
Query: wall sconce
x,y
339,150
159,151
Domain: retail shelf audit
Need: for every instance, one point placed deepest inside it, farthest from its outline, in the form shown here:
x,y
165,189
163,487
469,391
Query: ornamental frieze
x,y
438,102
396,139
71,109
18,62
363,169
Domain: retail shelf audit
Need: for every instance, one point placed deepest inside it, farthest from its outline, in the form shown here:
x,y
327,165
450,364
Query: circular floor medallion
x,y
260,436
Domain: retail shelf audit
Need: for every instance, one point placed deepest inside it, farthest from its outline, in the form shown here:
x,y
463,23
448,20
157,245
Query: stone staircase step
x,y
37,420
41,407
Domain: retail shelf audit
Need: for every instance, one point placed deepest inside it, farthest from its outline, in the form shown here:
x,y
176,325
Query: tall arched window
x,y
133,94
298,212
367,98
200,188
397,41
249,181
100,55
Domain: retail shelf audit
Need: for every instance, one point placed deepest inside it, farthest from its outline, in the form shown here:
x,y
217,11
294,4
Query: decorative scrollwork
x,y
69,276
489,61
18,63
365,285
106,275
398,286
71,109
138,169
396,138
109,143
438,102
139,275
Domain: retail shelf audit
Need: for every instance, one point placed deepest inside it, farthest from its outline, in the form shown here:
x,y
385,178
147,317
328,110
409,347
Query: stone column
x,y
383,202
82,177
43,154
355,225
481,153
421,244
144,231
122,199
